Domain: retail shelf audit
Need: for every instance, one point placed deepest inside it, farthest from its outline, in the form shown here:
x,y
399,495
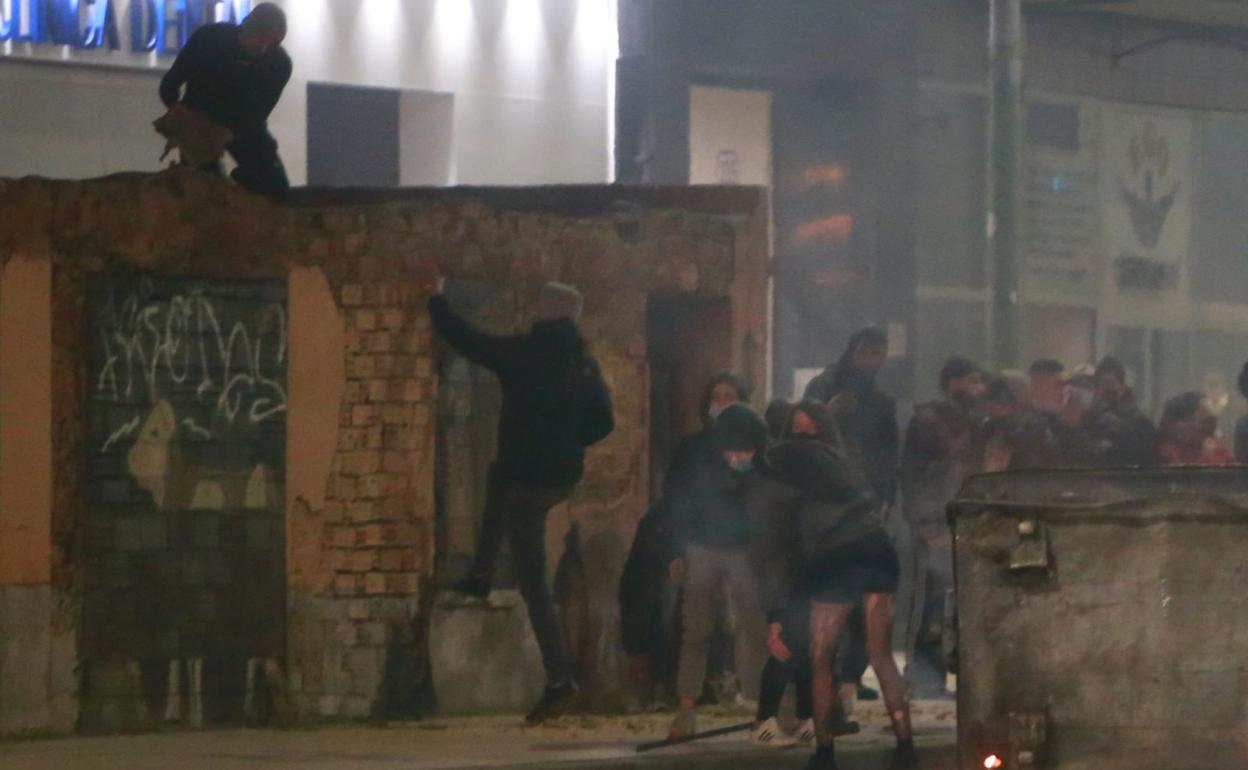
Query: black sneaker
x,y
823,759
866,693
556,700
904,756
845,727
475,587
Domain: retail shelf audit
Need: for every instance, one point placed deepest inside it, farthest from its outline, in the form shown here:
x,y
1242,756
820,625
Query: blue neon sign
x,y
162,26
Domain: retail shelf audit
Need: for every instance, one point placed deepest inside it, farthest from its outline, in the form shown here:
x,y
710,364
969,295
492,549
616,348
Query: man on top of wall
x,y
555,404
233,76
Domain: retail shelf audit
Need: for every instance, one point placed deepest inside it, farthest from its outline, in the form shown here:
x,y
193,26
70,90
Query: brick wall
x,y
362,393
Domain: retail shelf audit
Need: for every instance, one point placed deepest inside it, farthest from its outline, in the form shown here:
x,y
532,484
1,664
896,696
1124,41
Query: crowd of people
x,y
787,524
771,556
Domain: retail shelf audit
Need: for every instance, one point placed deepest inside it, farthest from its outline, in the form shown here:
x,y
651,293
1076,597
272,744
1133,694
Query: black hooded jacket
x,y
870,428
544,374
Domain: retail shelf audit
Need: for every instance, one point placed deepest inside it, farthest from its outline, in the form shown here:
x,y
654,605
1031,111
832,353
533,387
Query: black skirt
x,y
848,572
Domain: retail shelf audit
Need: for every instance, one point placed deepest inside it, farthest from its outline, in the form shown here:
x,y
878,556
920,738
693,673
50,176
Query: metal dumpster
x,y
1102,619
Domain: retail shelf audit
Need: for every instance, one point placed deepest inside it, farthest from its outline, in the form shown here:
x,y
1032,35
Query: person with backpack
x,y
555,404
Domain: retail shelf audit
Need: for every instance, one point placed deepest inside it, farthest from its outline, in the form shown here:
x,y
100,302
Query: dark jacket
x,y
869,429
236,90
712,508
1122,435
944,446
543,374
833,507
1030,437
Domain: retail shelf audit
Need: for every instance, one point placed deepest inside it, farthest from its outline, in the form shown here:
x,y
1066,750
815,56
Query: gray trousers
x,y
712,573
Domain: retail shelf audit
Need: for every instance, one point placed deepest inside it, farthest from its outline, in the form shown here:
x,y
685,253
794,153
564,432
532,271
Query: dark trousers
x,y
520,511
927,663
259,167
795,630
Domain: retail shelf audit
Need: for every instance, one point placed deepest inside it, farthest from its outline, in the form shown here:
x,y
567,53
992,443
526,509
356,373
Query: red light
x,y
992,762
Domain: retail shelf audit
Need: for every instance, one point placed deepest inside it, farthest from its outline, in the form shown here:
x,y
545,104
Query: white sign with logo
x,y
1147,185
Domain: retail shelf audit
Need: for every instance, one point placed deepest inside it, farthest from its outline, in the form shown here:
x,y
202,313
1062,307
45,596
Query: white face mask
x,y
744,465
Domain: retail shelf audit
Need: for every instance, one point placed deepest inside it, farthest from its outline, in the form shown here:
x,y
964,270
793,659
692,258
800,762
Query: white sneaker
x,y
770,734
806,732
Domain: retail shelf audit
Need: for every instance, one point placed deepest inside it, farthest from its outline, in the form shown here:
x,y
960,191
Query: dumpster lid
x,y
1102,486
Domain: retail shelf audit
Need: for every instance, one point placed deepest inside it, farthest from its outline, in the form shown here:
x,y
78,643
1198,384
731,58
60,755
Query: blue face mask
x,y
741,466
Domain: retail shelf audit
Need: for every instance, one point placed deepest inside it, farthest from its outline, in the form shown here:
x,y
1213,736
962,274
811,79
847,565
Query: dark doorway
x,y
688,342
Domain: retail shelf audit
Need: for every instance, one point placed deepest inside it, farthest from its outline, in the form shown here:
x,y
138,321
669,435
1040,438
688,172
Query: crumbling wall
x,y
361,383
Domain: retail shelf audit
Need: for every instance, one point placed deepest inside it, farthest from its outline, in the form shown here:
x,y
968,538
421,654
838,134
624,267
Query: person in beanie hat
x,y
712,533
555,404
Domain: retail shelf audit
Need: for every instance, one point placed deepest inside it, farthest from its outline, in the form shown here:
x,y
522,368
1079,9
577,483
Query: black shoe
x,y
823,759
708,697
475,587
556,700
845,727
866,693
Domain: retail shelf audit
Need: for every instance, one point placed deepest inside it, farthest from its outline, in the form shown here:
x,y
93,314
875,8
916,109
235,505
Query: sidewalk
x,y
604,743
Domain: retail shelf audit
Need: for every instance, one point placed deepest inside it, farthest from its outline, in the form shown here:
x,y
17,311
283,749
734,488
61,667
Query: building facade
x,y
401,92
876,154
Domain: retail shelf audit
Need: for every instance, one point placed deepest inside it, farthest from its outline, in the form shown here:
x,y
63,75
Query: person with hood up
x,y
867,417
555,404
1124,435
712,527
1189,434
848,559
944,445
649,595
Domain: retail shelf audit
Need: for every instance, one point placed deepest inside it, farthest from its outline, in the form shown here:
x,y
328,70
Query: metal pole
x,y
1005,151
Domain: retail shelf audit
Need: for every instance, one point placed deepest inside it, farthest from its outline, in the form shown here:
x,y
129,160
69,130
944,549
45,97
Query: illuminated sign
x,y
162,26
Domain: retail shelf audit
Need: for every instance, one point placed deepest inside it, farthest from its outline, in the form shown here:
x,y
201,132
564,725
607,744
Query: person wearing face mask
x,y
944,445
650,591
234,76
1189,434
847,560
712,527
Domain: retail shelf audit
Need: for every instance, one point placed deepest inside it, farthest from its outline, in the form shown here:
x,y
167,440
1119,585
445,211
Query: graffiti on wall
x,y
187,372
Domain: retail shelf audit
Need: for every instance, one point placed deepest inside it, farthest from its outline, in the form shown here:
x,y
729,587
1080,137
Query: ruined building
x,y
234,462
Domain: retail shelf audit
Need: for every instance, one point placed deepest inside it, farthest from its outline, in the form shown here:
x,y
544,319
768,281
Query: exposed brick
x,y
366,319
373,535
394,414
420,415
424,367
360,511
407,583
380,342
384,365
353,340
376,436
363,415
346,584
371,486
353,438
338,559
378,391
391,560
361,367
343,537
413,390
352,294
394,462
361,462
393,318
363,560
375,583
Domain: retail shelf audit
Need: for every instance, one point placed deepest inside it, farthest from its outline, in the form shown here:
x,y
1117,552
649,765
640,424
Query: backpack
x,y
595,416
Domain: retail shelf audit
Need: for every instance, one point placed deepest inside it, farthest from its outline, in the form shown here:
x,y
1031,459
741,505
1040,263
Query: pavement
x,y
600,743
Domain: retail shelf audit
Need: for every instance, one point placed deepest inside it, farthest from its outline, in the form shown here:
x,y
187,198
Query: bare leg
x,y
826,623
880,653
